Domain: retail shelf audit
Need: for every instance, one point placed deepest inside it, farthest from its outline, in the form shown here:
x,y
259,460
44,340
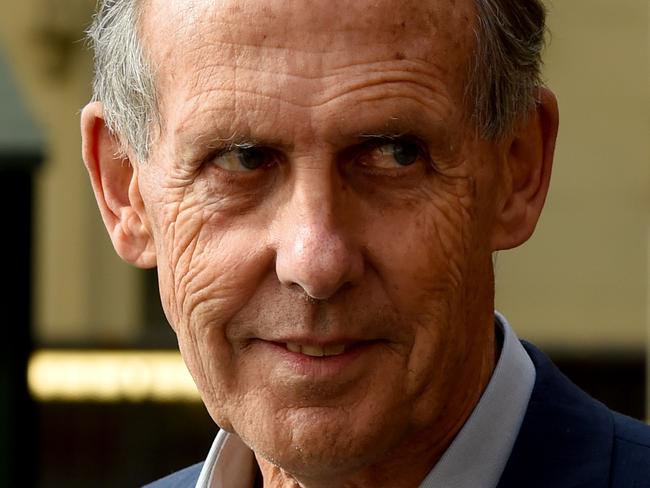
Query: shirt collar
x,y
477,456
230,464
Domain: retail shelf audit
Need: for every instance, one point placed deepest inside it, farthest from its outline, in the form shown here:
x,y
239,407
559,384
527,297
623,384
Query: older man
x,y
322,186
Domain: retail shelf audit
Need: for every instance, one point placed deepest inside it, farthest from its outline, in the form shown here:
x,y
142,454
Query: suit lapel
x,y
566,437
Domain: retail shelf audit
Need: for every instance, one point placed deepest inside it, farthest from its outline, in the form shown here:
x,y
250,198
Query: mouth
x,y
315,350
316,360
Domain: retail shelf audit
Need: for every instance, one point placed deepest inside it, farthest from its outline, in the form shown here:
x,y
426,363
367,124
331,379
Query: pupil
x,y
405,154
251,158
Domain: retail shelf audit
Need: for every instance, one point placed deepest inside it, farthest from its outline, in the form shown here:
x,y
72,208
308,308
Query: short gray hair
x,y
502,79
506,68
124,81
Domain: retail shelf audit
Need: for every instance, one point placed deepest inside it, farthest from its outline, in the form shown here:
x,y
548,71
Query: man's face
x,y
322,214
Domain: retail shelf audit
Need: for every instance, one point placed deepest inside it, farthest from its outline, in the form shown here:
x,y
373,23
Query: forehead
x,y
308,51
439,30
350,19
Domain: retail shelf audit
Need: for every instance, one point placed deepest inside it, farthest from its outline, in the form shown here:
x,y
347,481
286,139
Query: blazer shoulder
x,y
631,453
569,440
185,478
631,430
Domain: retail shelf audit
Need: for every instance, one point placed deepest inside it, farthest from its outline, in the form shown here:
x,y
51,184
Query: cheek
x,y
208,269
203,264
424,251
437,275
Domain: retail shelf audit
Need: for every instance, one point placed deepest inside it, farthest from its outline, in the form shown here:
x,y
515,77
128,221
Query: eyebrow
x,y
192,149
239,143
236,139
215,140
437,138
391,136
407,125
243,141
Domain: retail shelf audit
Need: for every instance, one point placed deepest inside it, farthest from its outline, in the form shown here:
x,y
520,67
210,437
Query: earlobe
x,y
526,174
115,184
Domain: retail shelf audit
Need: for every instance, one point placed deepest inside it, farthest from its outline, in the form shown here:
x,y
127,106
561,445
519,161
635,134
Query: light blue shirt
x,y
475,459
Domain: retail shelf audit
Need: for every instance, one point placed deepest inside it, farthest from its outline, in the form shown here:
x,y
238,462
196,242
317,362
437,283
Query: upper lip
x,y
311,347
316,341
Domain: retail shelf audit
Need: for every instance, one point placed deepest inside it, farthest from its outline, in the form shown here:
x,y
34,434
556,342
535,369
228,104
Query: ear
x,y
115,183
526,173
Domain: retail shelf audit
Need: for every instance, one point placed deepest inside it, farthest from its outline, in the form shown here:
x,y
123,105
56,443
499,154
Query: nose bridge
x,y
316,249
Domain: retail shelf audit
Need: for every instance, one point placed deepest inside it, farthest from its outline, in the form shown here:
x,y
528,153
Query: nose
x,y
316,249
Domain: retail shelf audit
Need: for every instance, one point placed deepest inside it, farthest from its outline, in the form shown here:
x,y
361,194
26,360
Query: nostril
x,y
315,297
318,262
305,296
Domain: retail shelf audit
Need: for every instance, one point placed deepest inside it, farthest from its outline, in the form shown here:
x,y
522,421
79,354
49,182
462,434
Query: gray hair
x,y
503,74
124,81
506,67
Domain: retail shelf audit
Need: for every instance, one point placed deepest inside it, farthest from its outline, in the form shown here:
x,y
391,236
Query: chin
x,y
319,442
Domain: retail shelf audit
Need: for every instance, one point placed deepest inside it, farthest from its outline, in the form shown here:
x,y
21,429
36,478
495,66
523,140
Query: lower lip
x,y
318,366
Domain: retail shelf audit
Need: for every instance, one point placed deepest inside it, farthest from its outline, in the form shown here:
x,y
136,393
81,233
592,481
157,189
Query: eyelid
x,y
235,150
375,142
381,140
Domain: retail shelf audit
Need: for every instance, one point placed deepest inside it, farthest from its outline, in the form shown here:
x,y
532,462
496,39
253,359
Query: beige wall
x,y
581,283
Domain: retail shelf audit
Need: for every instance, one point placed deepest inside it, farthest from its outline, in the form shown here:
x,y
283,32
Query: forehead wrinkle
x,y
383,63
301,60
324,17
328,48
317,65
347,90
219,22
222,123
405,78
375,92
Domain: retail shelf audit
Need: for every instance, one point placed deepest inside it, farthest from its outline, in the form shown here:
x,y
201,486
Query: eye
x,y
392,154
242,159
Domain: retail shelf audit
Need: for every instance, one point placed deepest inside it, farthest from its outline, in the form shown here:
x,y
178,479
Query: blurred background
x,y
92,391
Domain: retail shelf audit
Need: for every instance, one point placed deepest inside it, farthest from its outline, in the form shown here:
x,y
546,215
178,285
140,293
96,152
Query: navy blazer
x,y
570,440
567,440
